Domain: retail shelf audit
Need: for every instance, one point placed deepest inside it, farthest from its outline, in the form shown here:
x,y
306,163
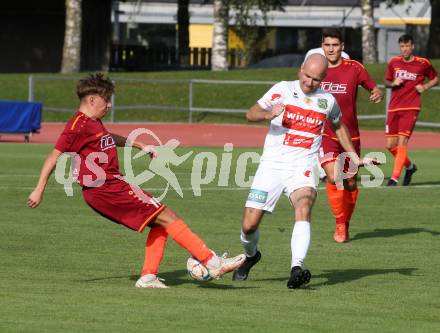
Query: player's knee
x,y
166,217
391,145
249,228
350,184
331,178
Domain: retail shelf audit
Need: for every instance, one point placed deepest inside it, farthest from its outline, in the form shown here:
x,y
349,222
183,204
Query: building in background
x,y
142,34
152,26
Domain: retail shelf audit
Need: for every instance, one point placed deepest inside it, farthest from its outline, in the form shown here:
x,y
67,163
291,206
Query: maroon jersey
x,y
414,72
98,156
342,82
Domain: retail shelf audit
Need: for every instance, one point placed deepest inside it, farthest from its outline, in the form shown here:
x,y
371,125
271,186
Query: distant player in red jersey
x,y
104,190
405,76
342,81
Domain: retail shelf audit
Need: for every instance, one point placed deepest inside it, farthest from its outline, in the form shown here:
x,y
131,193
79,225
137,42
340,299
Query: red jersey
x,y
414,72
98,156
342,82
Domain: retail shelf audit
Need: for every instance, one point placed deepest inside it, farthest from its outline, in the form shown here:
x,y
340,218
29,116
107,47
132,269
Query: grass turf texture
x,y
64,268
61,93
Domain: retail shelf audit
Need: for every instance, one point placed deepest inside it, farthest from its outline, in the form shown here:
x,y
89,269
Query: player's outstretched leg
x,y
182,235
298,277
242,273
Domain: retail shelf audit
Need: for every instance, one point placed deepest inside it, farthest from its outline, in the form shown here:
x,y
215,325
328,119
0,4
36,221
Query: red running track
x,y
216,135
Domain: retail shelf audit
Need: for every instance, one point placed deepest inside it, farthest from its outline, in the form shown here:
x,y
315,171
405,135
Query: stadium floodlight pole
x,y
30,88
190,101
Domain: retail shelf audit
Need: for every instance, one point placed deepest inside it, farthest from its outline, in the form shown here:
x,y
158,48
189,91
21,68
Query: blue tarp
x,y
20,117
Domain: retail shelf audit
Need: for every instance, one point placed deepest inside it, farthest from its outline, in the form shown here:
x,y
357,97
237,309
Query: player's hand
x,y
151,150
35,198
420,88
376,95
276,110
397,82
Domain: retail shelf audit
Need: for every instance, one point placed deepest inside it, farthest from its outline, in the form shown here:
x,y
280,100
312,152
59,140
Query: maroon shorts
x,y
331,149
401,122
123,203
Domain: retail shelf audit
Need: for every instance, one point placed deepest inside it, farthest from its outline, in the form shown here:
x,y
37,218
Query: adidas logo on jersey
x,y
334,88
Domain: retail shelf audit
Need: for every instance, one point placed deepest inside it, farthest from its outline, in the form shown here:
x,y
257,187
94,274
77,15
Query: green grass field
x,y
60,93
64,268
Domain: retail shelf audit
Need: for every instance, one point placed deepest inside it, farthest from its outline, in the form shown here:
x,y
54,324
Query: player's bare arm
x,y
426,86
257,113
376,95
120,141
36,196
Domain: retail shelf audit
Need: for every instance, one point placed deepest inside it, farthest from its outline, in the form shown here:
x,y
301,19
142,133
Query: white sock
x,y
250,242
148,277
300,242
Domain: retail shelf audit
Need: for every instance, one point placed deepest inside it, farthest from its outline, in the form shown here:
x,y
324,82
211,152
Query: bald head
x,y
312,71
317,63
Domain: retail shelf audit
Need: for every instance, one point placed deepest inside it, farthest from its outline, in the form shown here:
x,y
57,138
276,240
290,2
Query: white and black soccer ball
x,y
197,270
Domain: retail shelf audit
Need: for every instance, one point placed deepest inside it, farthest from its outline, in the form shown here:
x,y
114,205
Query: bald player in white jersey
x,y
297,111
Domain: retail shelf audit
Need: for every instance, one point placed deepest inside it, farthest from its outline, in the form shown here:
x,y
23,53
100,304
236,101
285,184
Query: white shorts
x,y
269,183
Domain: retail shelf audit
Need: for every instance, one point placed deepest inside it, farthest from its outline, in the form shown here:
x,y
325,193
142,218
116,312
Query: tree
x,y
72,38
183,31
369,54
245,25
219,61
434,30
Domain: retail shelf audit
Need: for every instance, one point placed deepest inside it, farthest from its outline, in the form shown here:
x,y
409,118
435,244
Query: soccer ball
x,y
197,270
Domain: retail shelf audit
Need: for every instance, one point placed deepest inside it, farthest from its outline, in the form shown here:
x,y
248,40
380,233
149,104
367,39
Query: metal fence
x,y
190,109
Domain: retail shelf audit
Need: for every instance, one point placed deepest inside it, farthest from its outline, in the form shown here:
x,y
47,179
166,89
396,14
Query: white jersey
x,y
319,50
297,132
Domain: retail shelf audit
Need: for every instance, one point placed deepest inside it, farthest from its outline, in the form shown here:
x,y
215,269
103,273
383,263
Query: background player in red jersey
x,y
342,81
405,75
96,169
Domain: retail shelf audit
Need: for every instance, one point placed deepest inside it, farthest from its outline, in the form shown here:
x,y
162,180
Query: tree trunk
x,y
72,38
219,61
434,30
369,54
183,31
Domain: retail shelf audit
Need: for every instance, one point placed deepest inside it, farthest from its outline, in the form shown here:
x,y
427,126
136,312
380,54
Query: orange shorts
x,y
123,203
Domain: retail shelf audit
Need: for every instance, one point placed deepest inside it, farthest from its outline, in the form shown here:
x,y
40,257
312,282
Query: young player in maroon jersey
x,y
342,80
96,170
405,75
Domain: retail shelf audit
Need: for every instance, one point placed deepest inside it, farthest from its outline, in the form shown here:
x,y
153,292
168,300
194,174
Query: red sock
x,y
393,151
336,201
154,249
350,199
183,236
399,162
